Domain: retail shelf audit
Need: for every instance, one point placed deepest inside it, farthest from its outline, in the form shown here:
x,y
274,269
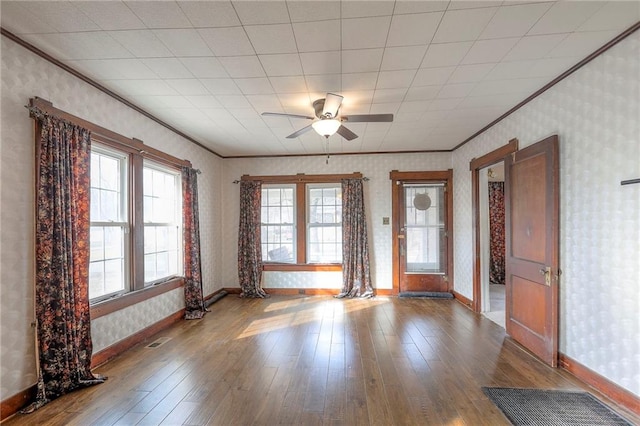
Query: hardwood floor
x,y
311,361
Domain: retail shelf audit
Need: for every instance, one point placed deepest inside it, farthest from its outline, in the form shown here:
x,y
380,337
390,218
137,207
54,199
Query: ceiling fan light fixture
x,y
326,127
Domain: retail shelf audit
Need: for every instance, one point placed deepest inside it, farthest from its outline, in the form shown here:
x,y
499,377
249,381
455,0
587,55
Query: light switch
x,y
385,220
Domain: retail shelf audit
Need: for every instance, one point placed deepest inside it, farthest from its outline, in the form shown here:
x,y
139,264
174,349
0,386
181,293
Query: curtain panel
x,y
497,232
249,241
193,293
63,329
356,277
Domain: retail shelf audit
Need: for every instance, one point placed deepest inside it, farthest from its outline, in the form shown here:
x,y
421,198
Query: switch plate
x,y
385,220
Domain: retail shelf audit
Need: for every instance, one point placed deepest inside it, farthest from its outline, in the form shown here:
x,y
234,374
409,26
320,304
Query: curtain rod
x,y
364,178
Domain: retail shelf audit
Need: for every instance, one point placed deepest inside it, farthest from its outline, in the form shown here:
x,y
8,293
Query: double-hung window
x,y
109,215
301,222
136,222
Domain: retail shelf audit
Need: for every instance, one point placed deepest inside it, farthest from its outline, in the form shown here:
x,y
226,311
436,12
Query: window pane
x,y
113,274
107,272
278,219
324,241
163,224
109,173
96,238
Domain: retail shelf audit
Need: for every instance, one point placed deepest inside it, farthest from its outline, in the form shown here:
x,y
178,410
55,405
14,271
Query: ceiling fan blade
x,y
282,114
300,132
332,104
346,133
368,118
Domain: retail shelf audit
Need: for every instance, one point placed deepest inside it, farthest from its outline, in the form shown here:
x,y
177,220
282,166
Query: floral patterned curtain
x,y
62,259
496,230
193,297
249,241
356,277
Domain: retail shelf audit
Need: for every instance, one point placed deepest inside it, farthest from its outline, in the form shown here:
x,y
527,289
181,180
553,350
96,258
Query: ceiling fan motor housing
x,y
318,106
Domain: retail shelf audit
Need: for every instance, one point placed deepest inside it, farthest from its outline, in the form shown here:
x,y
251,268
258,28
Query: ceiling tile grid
x,y
444,68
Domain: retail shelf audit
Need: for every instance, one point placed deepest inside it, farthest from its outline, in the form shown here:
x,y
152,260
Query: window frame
x,y
294,223
137,150
301,180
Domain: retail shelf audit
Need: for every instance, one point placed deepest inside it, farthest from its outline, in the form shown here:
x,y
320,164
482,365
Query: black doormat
x,y
552,408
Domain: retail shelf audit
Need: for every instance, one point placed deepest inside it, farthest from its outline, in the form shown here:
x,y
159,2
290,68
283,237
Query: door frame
x,y
475,165
415,177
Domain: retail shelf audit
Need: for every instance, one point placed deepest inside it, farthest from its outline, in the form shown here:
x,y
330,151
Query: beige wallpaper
x,y
25,75
596,114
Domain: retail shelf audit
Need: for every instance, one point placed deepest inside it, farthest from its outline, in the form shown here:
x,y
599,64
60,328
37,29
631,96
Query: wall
x,y
596,114
377,199
25,75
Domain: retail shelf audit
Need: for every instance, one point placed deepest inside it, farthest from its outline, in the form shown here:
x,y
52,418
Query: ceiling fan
x,y
329,122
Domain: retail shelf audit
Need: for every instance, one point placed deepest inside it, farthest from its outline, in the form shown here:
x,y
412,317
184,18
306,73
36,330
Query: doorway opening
x,y
492,242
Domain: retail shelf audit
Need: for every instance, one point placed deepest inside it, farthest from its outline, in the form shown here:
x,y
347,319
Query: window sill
x,y
283,267
108,306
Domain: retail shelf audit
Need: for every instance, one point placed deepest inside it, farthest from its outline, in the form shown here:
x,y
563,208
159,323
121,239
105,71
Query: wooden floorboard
x,y
300,360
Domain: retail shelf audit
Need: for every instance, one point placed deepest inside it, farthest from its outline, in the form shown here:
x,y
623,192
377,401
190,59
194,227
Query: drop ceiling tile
x,y
324,83
233,101
210,13
242,66
445,54
422,93
444,104
281,64
87,45
321,62
231,41
221,86
409,7
364,33
470,73
204,67
432,76
414,29
395,79
534,47
264,103
188,86
183,42
565,17
525,86
110,15
463,25
255,12
317,36
305,11
172,101
402,58
204,101
17,19
363,60
547,67
356,101
389,95
294,84
615,15
254,86
582,44
132,68
472,4
362,9
64,16
167,67
141,87
359,81
159,14
484,51
272,38
414,106
141,43
506,100
455,90
296,103
514,21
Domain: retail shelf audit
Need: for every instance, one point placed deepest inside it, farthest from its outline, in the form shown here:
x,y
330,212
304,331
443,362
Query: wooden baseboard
x,y
462,299
11,405
206,298
116,349
310,291
620,396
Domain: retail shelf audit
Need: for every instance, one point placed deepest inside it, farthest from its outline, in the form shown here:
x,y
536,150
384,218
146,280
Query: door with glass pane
x,y
421,232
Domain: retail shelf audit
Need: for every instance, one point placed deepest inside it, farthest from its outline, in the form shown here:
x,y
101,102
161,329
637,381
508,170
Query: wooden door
x,y
532,215
422,233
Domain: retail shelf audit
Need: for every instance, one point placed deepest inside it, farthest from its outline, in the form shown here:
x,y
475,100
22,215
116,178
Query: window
x,y
278,223
125,257
301,223
109,244
324,223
